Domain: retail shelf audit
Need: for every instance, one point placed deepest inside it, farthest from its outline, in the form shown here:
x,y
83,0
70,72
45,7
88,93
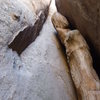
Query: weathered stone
x,y
85,16
41,71
62,23
28,35
80,61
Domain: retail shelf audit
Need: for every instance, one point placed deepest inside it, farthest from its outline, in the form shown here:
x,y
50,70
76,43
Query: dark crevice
x,y
72,25
95,56
28,35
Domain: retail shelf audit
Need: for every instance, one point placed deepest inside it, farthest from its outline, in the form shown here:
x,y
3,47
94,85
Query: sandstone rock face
x,y
41,71
28,9
84,15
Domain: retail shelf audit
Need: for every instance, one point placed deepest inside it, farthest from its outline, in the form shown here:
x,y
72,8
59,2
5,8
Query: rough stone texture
x,y
85,15
28,35
41,71
79,59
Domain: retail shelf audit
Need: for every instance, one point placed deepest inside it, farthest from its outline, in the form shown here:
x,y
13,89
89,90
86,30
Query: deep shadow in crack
x,y
28,35
95,56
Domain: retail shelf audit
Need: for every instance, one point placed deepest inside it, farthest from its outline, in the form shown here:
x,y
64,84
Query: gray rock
x,y
41,71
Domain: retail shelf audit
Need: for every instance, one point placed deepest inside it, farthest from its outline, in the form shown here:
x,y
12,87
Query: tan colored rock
x,y
81,65
24,38
62,23
85,16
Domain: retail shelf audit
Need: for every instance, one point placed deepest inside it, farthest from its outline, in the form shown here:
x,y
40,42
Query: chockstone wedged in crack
x,y
41,72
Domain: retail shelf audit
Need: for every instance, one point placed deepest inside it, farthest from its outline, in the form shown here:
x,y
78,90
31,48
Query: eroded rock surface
x,y
29,34
85,16
41,71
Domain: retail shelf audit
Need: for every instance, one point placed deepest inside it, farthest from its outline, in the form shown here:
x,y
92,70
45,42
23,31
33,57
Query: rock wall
x,y
84,15
41,71
39,9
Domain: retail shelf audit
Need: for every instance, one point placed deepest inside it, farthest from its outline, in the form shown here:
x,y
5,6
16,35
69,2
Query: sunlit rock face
x,y
38,11
84,15
41,71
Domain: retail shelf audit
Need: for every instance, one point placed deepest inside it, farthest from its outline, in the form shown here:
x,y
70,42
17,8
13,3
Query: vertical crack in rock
x,y
29,34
